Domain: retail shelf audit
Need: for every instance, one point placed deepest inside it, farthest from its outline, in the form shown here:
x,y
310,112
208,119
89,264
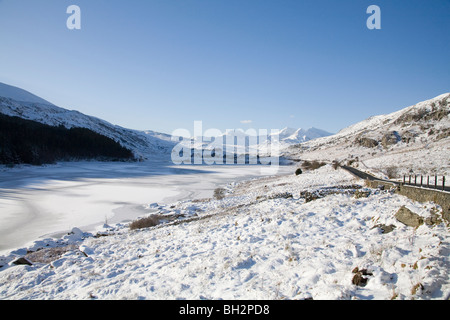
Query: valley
x,y
150,229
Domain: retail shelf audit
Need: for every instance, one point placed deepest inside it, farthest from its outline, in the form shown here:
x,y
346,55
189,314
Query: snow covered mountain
x,y
18,94
413,139
245,140
20,103
294,136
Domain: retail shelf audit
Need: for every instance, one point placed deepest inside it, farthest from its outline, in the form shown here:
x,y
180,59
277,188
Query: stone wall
x,y
418,194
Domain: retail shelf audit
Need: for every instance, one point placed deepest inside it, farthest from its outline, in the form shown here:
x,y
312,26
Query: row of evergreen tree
x,y
31,142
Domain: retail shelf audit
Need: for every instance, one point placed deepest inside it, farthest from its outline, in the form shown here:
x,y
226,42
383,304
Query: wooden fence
x,y
419,180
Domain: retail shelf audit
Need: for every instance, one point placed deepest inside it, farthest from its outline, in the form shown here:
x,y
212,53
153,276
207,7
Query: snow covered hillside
x,y
18,94
290,136
260,239
20,103
415,139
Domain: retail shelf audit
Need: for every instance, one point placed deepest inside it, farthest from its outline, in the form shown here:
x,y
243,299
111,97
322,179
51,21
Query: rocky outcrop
x,y
366,142
390,138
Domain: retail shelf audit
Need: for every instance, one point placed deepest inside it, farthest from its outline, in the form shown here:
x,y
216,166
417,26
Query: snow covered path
x,y
256,243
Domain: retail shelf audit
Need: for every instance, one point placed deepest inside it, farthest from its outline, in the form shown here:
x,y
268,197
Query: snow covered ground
x,y
261,241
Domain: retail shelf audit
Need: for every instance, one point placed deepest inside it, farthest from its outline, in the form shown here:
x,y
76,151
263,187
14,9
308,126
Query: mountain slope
x,y
30,142
18,94
413,139
20,103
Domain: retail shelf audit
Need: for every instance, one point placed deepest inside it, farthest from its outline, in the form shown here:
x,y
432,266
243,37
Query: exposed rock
x,y
309,196
444,133
409,218
414,115
284,195
409,137
22,261
320,193
48,255
385,228
361,194
433,219
390,138
437,114
439,111
358,278
366,142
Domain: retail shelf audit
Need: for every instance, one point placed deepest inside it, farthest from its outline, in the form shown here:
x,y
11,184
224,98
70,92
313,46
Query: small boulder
x,y
360,278
385,228
409,218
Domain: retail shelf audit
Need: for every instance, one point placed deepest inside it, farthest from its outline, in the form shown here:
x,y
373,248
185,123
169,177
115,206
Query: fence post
x,y
421,180
409,179
404,178
428,181
443,183
435,181
415,180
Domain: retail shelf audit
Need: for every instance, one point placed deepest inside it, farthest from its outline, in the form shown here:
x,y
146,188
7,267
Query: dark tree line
x,y
31,142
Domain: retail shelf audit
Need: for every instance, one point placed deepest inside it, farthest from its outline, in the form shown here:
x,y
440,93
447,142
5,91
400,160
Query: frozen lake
x,y
44,201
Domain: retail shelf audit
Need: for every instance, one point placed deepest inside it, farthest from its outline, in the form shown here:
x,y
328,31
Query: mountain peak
x,y
294,136
21,95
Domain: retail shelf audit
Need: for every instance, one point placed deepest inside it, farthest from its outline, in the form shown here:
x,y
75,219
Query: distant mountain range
x,y
296,136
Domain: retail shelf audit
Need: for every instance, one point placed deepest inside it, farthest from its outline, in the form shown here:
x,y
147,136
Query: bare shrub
x,y
392,172
336,164
146,222
312,165
219,193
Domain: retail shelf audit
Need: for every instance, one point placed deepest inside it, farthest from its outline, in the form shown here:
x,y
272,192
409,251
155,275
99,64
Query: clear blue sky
x,y
161,64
